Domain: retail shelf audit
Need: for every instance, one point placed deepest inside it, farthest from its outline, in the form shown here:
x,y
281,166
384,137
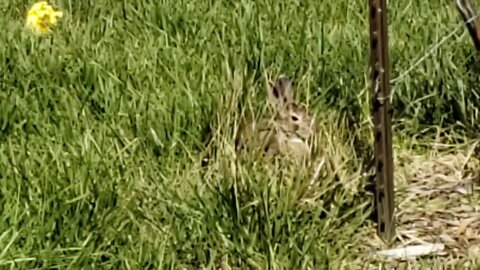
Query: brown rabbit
x,y
292,130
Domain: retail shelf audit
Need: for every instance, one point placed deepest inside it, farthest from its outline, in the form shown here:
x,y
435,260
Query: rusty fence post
x,y
380,94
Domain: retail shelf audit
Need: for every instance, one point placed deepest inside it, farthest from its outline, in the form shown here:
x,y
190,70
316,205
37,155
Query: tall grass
x,y
103,127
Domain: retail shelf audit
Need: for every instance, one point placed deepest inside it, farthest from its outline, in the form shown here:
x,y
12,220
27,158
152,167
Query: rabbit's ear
x,y
281,92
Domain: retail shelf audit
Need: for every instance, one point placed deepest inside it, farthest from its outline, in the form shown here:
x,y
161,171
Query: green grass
x,y
103,127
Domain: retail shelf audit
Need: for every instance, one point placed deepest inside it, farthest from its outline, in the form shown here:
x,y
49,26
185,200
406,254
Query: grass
x,y
103,127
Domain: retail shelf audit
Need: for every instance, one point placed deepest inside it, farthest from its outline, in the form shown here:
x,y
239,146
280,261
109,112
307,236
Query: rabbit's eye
x,y
294,118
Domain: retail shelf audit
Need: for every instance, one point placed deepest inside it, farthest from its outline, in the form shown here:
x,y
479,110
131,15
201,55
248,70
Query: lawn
x,y
117,133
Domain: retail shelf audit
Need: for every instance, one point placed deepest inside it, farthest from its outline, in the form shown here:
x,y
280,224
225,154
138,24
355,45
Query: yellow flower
x,y
41,17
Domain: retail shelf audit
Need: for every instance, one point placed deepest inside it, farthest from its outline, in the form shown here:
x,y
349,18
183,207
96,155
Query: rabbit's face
x,y
298,120
296,126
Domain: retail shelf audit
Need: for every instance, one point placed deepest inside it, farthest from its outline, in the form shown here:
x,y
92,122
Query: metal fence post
x,y
380,93
469,16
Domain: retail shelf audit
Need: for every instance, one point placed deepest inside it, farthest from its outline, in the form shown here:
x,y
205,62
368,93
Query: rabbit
x,y
291,130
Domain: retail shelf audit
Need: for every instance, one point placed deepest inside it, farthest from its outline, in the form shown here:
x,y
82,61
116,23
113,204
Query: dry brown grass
x,y
437,198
